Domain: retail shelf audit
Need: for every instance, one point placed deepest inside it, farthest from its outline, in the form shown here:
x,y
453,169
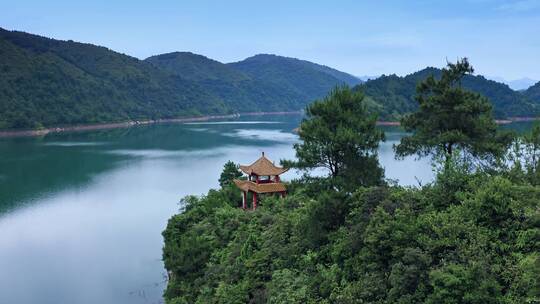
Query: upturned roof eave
x,y
248,170
260,188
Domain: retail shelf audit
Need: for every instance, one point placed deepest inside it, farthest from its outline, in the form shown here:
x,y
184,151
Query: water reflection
x,y
87,209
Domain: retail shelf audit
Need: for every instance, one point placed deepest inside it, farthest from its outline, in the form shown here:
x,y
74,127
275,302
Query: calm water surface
x,y
81,214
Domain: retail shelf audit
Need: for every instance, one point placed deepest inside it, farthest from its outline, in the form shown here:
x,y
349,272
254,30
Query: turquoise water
x,y
81,214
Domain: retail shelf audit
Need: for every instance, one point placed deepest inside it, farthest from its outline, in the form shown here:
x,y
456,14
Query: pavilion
x,y
263,178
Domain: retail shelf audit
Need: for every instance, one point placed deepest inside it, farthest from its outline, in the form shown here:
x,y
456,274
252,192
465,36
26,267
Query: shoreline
x,y
497,121
128,124
132,123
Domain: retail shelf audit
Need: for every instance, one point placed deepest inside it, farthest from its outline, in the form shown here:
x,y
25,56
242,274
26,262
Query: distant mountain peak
x,y
520,84
193,66
271,65
179,55
264,57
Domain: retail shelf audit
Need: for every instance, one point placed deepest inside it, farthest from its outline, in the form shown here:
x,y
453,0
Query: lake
x,y
81,214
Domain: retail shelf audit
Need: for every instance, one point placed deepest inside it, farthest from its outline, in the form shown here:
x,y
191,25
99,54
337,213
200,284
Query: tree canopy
x,y
230,172
469,237
393,96
339,135
381,244
451,118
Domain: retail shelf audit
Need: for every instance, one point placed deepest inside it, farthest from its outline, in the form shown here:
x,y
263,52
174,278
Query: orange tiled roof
x,y
263,166
259,188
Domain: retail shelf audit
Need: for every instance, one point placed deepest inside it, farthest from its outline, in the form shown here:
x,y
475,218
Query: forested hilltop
x,y
259,83
533,92
392,96
470,236
47,82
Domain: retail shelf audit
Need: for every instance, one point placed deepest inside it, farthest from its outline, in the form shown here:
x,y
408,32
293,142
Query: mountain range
x,y
46,82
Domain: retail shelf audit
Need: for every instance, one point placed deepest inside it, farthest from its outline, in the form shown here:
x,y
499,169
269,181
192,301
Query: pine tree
x,y
451,118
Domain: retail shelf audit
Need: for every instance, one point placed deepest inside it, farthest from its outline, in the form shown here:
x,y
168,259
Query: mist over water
x,y
81,214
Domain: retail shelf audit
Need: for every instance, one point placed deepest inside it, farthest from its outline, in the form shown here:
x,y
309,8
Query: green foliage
x,y
262,82
533,92
339,135
478,243
451,118
299,79
47,82
471,236
523,159
289,286
229,173
529,154
463,284
393,96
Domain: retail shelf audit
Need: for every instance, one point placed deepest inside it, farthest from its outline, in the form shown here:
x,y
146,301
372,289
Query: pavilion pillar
x,y
254,200
244,200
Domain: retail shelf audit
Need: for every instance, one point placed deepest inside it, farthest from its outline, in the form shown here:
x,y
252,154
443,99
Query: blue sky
x,y
501,38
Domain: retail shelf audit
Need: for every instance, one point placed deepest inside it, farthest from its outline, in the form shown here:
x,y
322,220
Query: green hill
x,y
48,82
196,67
238,90
290,74
268,82
533,92
393,96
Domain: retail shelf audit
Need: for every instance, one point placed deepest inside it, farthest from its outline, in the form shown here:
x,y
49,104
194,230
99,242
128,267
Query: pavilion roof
x,y
263,167
260,188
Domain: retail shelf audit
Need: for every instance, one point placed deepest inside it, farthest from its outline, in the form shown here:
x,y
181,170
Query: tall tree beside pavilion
x,y
451,118
340,135
229,173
